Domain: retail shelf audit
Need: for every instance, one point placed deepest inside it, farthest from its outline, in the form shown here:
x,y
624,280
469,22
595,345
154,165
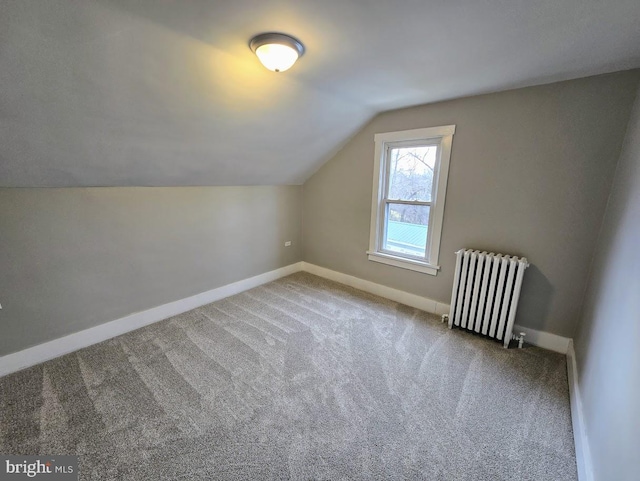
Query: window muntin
x,y
408,203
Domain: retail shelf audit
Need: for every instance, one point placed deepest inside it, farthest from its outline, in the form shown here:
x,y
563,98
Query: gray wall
x,y
608,336
530,174
71,259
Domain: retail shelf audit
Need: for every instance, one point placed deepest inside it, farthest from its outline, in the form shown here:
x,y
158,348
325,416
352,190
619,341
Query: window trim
x,y
383,141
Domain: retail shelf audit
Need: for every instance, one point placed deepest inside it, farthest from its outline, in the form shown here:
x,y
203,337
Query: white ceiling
x,y
167,92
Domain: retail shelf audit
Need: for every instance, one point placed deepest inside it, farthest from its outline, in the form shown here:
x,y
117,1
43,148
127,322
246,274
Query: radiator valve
x,y
445,317
519,338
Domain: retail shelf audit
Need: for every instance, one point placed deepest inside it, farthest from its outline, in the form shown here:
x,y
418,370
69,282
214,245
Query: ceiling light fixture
x,y
277,51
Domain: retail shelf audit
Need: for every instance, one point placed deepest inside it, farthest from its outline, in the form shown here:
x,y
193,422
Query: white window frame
x,y
441,136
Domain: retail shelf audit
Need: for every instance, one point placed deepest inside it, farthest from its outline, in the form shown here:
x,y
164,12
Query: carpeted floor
x,y
303,379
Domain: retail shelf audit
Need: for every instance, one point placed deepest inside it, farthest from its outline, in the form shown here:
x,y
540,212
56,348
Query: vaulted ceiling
x,y
167,92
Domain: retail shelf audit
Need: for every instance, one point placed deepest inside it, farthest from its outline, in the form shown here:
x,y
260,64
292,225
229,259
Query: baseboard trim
x,y
413,300
546,340
64,345
543,339
583,453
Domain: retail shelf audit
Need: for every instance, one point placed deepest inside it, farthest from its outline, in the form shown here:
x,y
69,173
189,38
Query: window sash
x,y
389,146
386,200
382,234
383,238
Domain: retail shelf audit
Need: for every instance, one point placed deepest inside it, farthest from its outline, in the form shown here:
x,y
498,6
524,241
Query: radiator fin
x,y
486,289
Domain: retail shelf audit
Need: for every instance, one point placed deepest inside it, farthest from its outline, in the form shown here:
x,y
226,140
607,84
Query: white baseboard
x,y
583,453
64,345
413,300
546,340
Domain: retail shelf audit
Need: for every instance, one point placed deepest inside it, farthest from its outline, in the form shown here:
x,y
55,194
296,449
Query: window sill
x,y
403,263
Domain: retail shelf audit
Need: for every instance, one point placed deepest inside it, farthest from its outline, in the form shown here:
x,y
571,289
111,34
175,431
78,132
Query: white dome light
x,y
276,51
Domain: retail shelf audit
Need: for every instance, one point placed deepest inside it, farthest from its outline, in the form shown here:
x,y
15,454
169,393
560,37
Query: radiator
x,y
486,288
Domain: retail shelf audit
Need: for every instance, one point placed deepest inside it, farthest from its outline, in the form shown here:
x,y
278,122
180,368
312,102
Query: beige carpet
x,y
301,378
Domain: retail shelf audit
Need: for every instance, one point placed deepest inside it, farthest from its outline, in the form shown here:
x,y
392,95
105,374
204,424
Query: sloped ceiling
x,y
167,92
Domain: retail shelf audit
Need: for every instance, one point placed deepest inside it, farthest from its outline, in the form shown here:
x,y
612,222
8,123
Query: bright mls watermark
x,y
50,468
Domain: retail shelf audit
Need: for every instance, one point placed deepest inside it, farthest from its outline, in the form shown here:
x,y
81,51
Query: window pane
x,y
411,172
407,229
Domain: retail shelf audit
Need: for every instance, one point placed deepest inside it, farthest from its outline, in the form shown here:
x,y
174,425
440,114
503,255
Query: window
x,y
409,188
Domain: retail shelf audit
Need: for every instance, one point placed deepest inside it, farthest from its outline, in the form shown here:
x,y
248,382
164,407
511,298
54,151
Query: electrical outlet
x,y
287,244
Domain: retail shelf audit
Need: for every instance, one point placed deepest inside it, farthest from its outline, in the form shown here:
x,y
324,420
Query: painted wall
x,y
71,259
530,174
608,335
